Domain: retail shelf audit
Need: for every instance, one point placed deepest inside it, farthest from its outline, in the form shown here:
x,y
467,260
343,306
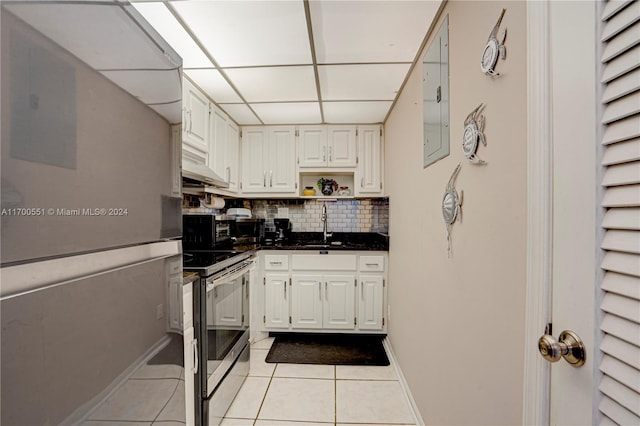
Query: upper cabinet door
x,y
312,144
195,117
327,146
281,170
233,150
369,170
254,159
342,146
218,143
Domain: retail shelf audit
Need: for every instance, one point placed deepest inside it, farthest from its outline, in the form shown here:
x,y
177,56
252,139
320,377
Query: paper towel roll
x,y
215,203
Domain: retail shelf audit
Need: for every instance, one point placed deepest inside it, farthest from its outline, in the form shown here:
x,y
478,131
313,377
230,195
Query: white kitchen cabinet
x,y
173,267
254,151
224,147
342,146
327,146
268,160
176,160
312,146
306,301
334,292
195,118
371,302
323,301
276,301
175,303
218,143
339,302
369,170
233,151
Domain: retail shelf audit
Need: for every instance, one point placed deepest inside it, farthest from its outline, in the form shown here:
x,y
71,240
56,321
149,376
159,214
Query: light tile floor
x,y
272,395
153,395
322,395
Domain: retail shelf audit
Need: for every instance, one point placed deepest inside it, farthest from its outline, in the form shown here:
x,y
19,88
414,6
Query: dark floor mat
x,y
329,349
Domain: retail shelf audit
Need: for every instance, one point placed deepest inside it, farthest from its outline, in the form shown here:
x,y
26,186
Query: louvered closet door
x,y
620,384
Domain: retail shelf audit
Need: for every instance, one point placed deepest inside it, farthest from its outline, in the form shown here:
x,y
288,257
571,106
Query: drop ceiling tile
x,y
165,23
240,113
212,82
370,31
249,33
356,112
361,82
289,113
274,84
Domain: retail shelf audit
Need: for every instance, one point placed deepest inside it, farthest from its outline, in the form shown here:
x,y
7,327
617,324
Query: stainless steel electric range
x,y
221,322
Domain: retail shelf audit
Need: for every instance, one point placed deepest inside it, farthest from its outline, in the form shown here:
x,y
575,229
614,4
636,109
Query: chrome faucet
x,y
323,218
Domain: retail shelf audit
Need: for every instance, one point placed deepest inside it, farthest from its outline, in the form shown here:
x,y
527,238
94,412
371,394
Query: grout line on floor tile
x,y
166,403
264,397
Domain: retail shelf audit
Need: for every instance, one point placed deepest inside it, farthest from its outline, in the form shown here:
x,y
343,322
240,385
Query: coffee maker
x,y
283,229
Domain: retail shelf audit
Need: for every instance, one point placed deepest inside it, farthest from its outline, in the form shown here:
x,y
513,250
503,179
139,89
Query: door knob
x,y
568,345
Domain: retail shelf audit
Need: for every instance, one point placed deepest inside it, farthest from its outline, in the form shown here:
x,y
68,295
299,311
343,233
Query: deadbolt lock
x,y
568,346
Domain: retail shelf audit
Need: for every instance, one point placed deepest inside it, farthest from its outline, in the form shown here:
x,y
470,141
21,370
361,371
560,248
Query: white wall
x,y
456,323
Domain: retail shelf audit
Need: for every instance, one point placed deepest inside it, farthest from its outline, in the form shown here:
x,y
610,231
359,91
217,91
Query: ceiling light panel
x,y
361,82
274,84
249,33
369,31
355,112
212,82
173,32
241,114
289,113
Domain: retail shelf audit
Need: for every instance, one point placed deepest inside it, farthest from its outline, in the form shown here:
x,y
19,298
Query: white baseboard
x,y
403,383
84,411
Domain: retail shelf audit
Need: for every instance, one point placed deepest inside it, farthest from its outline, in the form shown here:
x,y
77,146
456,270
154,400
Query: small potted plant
x,y
327,186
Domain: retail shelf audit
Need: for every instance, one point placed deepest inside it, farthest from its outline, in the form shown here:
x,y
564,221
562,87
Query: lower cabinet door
x,y
339,302
276,296
306,301
370,302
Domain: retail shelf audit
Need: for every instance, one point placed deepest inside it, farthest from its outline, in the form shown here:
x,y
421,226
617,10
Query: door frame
x,y
539,272
535,408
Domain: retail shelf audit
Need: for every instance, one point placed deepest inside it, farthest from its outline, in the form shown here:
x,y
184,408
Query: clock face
x,y
489,56
469,140
450,206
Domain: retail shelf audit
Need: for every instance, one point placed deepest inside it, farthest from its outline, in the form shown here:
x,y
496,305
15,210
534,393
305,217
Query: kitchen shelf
x,y
343,178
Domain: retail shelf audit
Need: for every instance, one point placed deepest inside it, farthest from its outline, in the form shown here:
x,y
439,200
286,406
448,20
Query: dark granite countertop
x,y
367,241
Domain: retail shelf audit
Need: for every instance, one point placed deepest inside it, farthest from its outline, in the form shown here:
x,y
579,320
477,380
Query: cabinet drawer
x,y
323,262
371,263
175,267
276,262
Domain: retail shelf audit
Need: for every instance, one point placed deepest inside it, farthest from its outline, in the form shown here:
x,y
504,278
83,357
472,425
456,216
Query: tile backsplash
x,y
368,215
342,215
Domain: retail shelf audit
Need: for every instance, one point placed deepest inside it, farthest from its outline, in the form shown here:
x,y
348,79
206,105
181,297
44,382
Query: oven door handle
x,y
233,274
194,346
